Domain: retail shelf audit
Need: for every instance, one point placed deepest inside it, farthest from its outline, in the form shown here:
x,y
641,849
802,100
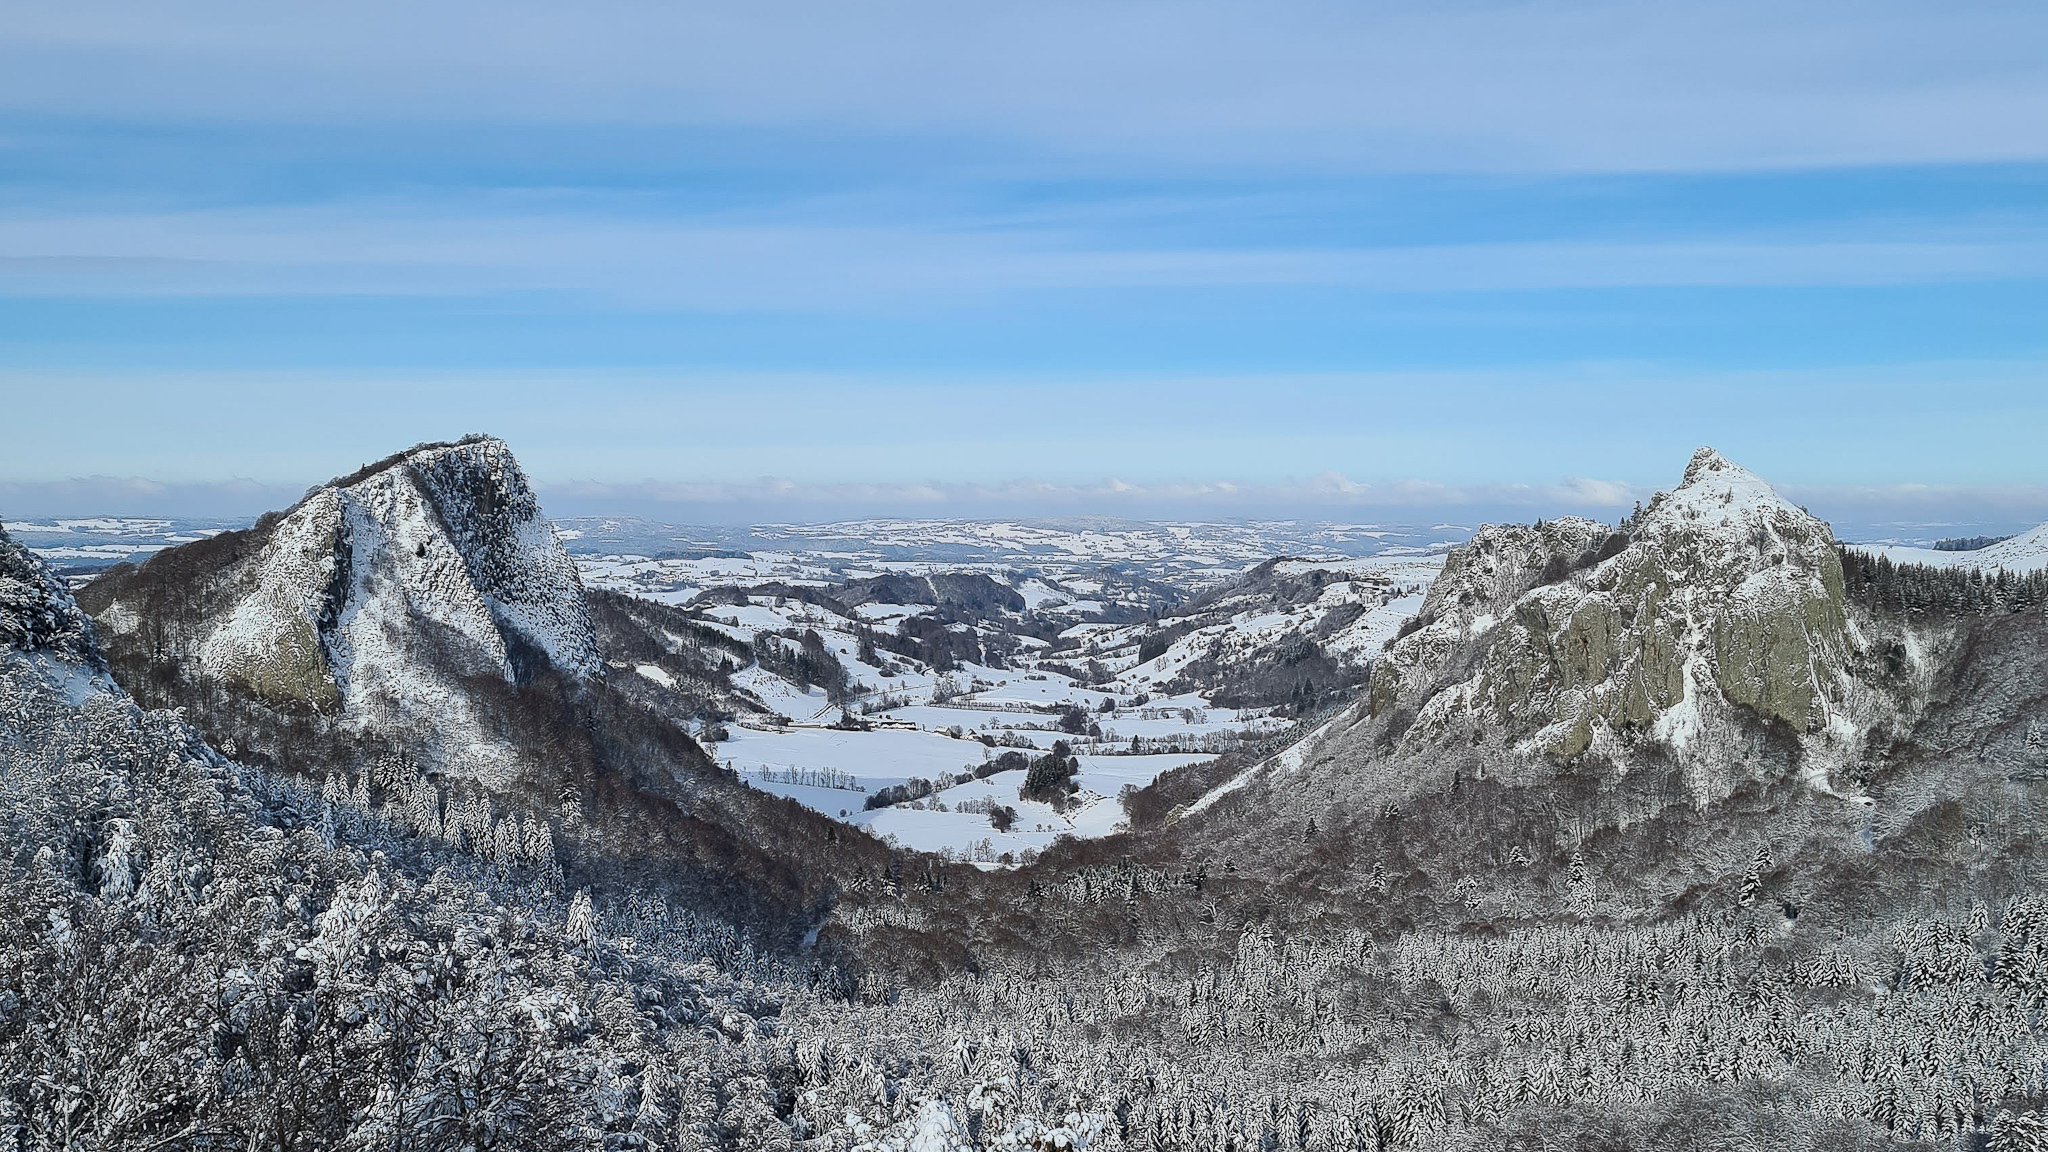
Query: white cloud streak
x,y
463,248
1328,490
1544,86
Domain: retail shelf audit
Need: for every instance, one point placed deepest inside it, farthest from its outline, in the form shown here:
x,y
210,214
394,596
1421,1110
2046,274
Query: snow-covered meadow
x,y
1092,663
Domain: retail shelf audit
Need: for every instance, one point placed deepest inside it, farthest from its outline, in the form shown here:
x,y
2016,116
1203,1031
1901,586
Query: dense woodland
x,y
1922,591
225,932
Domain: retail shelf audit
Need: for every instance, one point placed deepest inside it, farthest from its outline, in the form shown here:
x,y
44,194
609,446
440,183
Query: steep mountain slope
x,y
1633,681
378,597
2026,552
412,639
198,954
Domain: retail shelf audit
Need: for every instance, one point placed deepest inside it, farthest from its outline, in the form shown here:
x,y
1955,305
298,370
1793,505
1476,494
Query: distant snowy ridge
x,y
2021,554
1213,551
857,547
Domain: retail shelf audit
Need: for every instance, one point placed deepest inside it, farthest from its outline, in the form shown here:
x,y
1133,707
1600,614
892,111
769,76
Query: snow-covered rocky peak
x,y
1719,496
1716,485
383,595
1728,519
513,561
440,547
1719,606
1488,573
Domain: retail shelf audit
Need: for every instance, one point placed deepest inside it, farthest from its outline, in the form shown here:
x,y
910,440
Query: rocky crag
x,y
377,598
413,640
43,633
1710,628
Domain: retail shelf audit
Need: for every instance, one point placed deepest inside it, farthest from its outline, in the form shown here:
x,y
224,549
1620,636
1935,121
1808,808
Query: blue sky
x,y
727,260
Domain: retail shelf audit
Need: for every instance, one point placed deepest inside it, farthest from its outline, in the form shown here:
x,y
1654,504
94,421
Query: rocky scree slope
x,y
1715,613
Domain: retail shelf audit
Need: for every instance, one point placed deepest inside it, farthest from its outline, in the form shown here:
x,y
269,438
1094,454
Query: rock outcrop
x,y
412,642
1719,606
37,616
377,597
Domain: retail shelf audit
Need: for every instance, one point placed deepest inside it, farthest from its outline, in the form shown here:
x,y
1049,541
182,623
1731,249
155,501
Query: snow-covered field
x,y
1138,717
82,545
1093,541
955,818
2026,552
835,770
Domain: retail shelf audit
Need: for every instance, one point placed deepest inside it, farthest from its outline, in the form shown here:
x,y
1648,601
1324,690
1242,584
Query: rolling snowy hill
x,y
2026,552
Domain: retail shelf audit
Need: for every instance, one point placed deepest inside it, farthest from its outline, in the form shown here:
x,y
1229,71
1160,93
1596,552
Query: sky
x,y
720,261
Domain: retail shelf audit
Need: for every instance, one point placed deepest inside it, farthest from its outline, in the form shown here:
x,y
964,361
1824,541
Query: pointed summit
x,y
1705,460
1716,488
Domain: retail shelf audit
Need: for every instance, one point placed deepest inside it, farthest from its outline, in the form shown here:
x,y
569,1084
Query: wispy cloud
x,y
589,249
1327,489
1326,496
1540,86
1337,435
138,496
1305,248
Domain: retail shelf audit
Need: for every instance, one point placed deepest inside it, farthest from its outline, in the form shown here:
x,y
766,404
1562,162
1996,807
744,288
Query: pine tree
x,y
581,925
1760,862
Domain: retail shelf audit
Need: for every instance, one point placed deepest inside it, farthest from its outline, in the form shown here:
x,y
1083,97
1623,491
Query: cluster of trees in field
x,y
1050,778
807,662
809,777
1968,543
1923,590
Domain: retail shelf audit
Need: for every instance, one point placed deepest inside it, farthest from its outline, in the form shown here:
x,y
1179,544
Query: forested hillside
x,y
1694,831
